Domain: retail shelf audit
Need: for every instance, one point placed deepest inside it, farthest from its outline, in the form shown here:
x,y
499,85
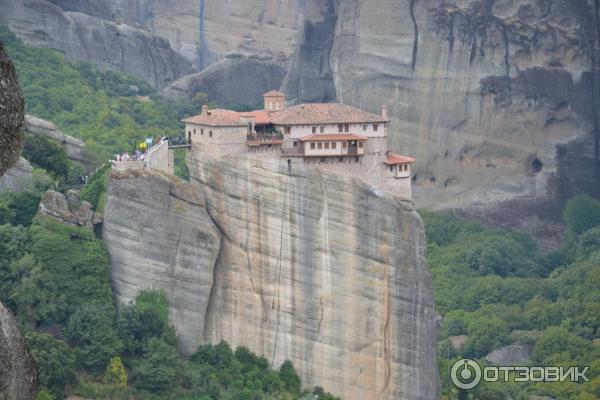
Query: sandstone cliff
x,y
18,374
104,43
158,40
496,99
315,268
74,147
237,79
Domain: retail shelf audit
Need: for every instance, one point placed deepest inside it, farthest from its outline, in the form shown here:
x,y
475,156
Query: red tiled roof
x,y
274,93
393,159
216,117
261,117
324,113
332,137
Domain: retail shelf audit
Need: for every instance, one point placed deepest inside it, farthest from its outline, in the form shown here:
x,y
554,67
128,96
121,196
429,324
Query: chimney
x,y
205,110
384,112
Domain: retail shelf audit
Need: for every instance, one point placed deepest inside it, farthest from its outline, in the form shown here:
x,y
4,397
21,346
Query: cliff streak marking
x,y
279,272
416,33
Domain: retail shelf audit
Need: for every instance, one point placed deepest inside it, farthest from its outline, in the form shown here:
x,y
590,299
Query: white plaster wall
x,y
299,131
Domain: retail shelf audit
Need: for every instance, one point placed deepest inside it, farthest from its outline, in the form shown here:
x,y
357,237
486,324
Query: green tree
x,y
115,373
159,369
55,361
289,377
36,298
558,345
484,335
47,154
92,329
137,327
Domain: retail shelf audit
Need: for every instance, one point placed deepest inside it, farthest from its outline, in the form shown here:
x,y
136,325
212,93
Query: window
x,y
295,144
340,128
319,145
344,145
364,127
210,133
405,167
312,146
360,144
346,127
322,129
326,145
194,131
391,168
314,129
333,144
375,126
287,129
202,131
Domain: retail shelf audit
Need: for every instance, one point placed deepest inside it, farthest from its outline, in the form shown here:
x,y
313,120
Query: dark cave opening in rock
x,y
536,165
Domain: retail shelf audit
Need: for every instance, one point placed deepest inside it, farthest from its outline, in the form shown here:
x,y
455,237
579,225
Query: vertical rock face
x,y
17,178
104,43
18,374
205,30
158,40
159,236
236,79
482,92
314,268
11,114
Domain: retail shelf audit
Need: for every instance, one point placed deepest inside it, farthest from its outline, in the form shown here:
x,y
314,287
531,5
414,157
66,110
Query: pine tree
x,y
115,373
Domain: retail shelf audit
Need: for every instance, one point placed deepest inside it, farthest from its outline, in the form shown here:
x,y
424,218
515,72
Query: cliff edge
x,y
301,265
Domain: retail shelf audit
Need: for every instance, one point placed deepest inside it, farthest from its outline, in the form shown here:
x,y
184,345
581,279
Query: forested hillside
x,y
495,287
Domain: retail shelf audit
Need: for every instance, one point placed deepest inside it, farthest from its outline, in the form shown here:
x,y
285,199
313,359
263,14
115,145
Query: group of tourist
x,y
138,155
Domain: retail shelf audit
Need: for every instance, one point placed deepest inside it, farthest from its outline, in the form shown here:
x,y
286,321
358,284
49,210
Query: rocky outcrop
x,y
18,373
103,43
69,209
237,79
11,113
489,96
159,236
509,355
316,268
18,178
157,40
204,31
74,148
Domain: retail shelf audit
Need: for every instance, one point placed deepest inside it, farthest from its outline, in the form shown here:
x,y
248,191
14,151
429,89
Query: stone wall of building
x,y
218,141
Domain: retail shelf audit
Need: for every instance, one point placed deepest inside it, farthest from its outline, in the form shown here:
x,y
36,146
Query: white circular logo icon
x,y
465,374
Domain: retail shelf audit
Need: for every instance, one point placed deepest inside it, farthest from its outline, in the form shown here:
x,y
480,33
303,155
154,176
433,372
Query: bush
x,y
289,377
158,370
96,187
91,328
47,154
55,362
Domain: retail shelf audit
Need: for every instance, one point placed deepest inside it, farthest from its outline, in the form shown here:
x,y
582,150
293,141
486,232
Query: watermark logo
x,y
466,374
